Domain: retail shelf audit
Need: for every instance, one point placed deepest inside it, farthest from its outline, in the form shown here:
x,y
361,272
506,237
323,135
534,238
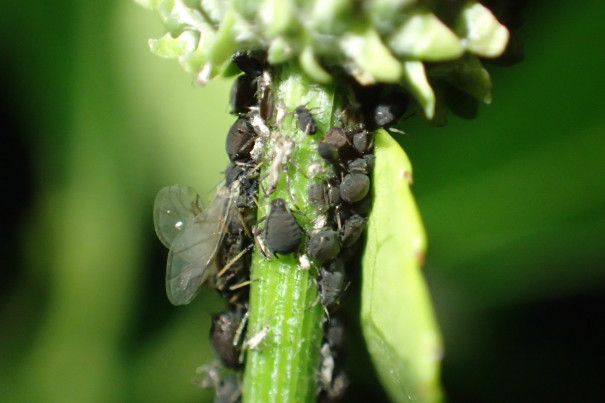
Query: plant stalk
x,y
283,297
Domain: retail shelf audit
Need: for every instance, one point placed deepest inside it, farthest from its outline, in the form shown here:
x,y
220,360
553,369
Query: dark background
x,y
93,125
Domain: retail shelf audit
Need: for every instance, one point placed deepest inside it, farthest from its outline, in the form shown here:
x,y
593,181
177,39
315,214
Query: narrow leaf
x,y
398,321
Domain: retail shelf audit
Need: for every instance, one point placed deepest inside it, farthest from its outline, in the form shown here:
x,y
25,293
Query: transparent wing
x,y
192,253
175,208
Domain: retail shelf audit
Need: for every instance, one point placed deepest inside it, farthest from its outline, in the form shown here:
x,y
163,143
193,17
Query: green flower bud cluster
x,y
430,48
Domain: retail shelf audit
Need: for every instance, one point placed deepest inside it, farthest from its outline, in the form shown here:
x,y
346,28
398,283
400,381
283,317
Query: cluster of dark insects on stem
x,y
213,245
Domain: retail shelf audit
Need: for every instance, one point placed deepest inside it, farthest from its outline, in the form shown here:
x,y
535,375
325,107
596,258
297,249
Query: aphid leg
x,y
240,329
241,285
259,240
244,224
338,221
317,300
260,184
234,259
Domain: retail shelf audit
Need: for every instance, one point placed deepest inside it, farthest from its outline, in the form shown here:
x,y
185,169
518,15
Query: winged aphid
x,y
196,240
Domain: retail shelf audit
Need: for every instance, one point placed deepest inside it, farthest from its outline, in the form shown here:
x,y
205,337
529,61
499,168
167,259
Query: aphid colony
x,y
213,245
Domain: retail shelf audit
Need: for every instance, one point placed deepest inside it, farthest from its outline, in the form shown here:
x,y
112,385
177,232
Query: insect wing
x,y
175,208
191,257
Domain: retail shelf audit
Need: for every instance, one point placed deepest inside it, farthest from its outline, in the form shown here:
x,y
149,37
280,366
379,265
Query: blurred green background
x,y
93,125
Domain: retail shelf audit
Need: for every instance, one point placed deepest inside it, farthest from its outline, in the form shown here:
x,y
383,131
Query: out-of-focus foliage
x,y
94,125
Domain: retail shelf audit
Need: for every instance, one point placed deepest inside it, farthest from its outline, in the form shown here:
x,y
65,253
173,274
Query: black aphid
x,y
324,245
318,196
370,160
240,140
331,283
358,165
243,94
334,335
223,332
250,63
306,121
389,109
282,232
233,172
333,194
335,145
381,105
361,142
362,207
248,191
352,229
354,187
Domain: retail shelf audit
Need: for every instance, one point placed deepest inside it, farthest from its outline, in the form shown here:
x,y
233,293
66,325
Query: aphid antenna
x,y
234,259
315,108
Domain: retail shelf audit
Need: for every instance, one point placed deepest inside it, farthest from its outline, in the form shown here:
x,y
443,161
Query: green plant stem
x,y
283,297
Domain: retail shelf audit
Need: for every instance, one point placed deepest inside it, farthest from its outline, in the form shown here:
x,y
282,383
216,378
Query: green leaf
x,y
398,321
415,78
372,57
331,17
311,66
172,48
466,74
484,34
424,37
279,51
278,17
